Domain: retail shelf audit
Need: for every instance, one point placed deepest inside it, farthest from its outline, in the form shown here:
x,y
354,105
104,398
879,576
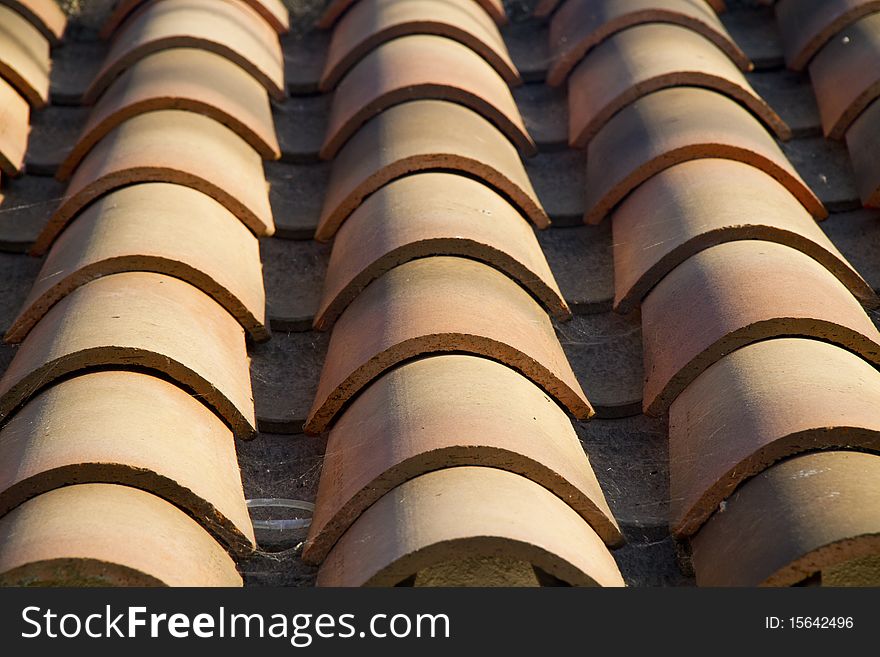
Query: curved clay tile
x,y
807,25
170,146
132,429
435,305
430,214
425,135
737,293
675,125
761,404
799,517
24,57
718,5
422,67
401,427
846,75
468,512
167,229
138,320
45,15
863,142
229,28
580,25
698,204
106,535
272,11
14,129
336,8
644,59
182,79
370,23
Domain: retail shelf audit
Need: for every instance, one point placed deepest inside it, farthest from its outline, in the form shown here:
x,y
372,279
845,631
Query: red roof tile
x,y
138,320
420,67
170,146
580,25
24,57
421,136
676,125
455,216
759,405
733,294
45,15
807,25
370,23
14,129
450,411
132,429
468,512
105,535
184,79
229,28
696,205
437,305
168,229
336,8
795,519
644,59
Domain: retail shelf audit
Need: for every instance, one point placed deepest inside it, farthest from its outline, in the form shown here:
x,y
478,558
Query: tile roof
x,y
365,261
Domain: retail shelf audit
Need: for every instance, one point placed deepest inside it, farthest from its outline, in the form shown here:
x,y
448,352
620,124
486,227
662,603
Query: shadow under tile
x,y
791,95
755,31
293,272
630,457
558,179
825,167
54,131
284,375
74,66
18,272
605,352
296,192
26,205
529,46
857,235
277,569
301,122
651,563
545,114
581,261
304,56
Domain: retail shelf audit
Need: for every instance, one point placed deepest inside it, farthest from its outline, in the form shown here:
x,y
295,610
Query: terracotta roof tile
x,y
719,300
370,23
45,15
138,320
170,146
580,25
272,11
168,229
336,8
456,216
646,58
759,405
14,129
24,57
125,428
420,67
182,79
845,75
863,140
418,136
696,205
676,125
468,512
229,28
436,305
106,535
793,520
807,25
544,8
401,427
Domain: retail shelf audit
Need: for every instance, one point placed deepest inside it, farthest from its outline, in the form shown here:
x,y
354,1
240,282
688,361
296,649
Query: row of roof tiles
x,y
135,330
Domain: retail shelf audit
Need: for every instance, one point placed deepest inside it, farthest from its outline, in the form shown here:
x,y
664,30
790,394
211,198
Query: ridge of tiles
x,y
436,286
134,336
